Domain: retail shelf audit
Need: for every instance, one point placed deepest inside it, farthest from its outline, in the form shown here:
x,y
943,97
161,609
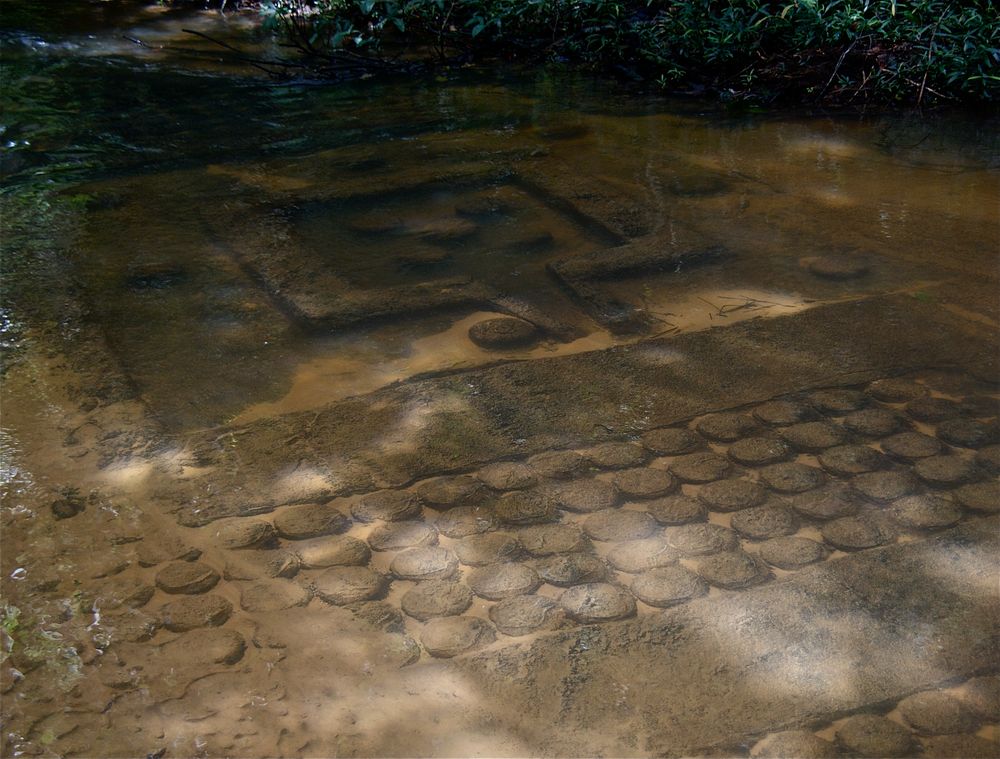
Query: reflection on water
x,y
249,248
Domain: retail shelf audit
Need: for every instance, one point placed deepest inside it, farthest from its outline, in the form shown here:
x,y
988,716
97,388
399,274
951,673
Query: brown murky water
x,y
190,246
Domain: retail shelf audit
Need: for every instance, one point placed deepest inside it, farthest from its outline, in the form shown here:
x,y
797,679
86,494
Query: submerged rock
x,y
503,333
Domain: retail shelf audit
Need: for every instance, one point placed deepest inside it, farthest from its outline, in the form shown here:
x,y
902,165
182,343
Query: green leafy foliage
x,y
841,50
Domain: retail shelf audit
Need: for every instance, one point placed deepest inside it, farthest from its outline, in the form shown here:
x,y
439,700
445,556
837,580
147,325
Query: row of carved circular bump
x,y
932,724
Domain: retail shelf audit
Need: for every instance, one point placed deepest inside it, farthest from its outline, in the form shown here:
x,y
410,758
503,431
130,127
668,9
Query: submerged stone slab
x,y
299,457
722,656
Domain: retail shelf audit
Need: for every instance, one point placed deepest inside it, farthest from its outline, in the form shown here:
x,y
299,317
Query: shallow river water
x,y
199,248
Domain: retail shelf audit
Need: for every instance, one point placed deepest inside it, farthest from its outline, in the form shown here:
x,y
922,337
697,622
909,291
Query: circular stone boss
x,y
701,539
310,520
488,548
503,333
432,563
700,467
781,413
396,536
345,585
725,427
672,441
634,556
387,505
732,495
666,586
446,637
613,525
436,598
587,495
677,509
616,455
567,569
547,539
499,581
522,507
522,615
597,602
644,482
759,451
